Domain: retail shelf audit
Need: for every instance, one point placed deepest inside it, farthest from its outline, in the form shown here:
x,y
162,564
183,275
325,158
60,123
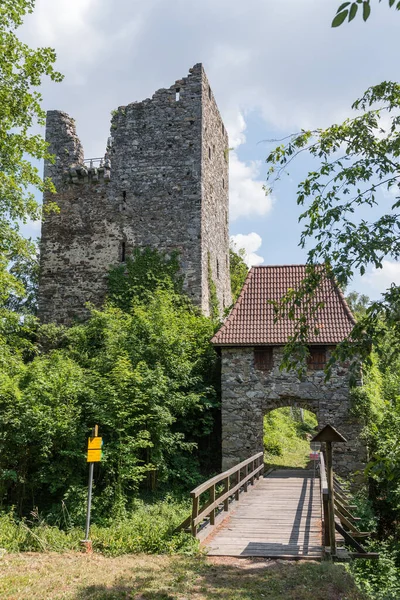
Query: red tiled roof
x,y
251,321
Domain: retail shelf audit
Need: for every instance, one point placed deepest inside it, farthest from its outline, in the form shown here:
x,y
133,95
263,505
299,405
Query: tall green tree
x,y
21,73
357,169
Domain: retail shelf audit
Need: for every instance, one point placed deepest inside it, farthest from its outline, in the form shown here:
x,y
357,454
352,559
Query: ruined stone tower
x,y
163,183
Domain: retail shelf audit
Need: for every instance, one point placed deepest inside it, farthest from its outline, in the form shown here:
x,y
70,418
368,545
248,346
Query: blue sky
x,y
275,66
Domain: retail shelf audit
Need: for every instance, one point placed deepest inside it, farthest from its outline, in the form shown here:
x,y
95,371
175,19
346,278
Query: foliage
x,y
379,579
358,160
212,294
350,10
286,433
238,271
377,402
143,272
358,304
21,72
148,527
145,375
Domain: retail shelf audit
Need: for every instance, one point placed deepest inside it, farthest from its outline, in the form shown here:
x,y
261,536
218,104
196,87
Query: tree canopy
x,y
351,206
21,72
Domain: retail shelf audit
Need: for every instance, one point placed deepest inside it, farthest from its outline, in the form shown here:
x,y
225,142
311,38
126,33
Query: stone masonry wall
x,y
248,394
215,205
151,189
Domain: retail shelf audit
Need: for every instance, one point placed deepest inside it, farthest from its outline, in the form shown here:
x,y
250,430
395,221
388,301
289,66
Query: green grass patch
x,y
286,437
147,528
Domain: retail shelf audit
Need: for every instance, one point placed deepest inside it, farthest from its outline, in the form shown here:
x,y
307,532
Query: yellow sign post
x,y
94,449
94,454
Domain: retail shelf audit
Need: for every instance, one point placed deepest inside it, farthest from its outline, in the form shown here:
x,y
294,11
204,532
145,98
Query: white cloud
x,y
381,279
235,126
250,243
247,197
246,194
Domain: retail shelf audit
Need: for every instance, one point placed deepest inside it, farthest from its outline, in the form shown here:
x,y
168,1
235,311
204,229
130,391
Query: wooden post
x,y
329,469
325,506
246,471
226,489
237,480
212,499
195,512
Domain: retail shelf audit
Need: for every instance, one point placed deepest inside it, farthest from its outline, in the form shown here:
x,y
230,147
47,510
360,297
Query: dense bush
x,y
142,368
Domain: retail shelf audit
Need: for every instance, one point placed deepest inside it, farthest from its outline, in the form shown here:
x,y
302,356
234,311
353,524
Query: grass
x,y
148,528
285,441
74,576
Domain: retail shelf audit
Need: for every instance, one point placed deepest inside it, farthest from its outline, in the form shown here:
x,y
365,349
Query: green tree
x,y
238,271
142,368
358,303
357,162
349,10
21,72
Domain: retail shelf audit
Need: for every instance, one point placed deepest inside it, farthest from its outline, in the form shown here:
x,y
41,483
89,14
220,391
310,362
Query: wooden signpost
x,y
94,454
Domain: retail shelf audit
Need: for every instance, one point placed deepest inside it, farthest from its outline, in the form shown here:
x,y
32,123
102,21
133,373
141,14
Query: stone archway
x,y
248,392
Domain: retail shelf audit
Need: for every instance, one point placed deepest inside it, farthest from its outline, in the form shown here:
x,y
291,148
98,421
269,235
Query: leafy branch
x,y
349,10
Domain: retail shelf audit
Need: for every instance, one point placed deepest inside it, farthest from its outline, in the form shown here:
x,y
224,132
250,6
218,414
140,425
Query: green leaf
x,y
339,19
366,10
343,6
391,2
353,11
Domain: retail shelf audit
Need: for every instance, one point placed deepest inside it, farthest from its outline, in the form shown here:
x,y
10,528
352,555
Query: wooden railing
x,y
233,482
342,520
324,501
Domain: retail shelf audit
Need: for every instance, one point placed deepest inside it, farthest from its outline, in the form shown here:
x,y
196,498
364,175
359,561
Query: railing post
x,y
326,532
226,489
212,499
237,481
246,472
195,512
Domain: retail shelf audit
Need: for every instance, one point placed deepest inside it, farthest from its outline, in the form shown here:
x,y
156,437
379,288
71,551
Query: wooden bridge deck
x,y
279,518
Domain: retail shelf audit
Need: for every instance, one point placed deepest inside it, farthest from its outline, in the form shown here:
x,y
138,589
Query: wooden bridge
x,y
282,514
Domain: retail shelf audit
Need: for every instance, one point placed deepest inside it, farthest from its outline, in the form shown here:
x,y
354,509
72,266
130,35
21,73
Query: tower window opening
x,y
223,129
209,92
217,268
223,183
209,152
123,252
124,196
213,148
177,94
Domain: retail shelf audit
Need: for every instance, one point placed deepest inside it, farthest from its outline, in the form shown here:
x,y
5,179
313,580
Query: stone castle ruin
x,y
163,183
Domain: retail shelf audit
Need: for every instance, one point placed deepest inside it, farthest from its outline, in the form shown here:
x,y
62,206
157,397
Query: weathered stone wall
x,y
215,205
78,243
249,393
155,188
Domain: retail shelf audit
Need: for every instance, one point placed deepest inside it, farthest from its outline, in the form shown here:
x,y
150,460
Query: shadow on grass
x,y
246,579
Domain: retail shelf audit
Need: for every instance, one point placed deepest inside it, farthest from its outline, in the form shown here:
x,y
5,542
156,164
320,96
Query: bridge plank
x,y
280,518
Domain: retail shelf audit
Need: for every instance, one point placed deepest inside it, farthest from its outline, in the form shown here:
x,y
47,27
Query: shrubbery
x,y
148,527
142,368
